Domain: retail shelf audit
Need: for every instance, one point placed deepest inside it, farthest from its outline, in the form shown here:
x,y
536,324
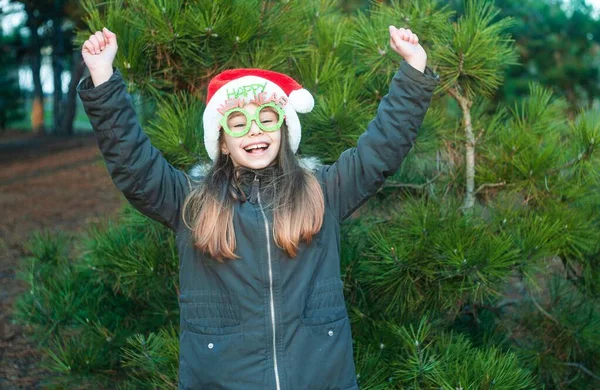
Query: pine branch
x,y
544,312
450,185
489,185
411,185
479,135
582,156
506,302
582,368
263,8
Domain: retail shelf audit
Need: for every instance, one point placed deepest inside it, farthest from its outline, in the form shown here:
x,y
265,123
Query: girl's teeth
x,y
256,147
257,150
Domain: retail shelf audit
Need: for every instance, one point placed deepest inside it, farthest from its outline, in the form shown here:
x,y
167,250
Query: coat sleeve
x,y
360,171
138,169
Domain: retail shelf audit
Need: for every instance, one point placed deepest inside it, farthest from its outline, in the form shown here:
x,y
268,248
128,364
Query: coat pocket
x,y
324,340
325,303
211,350
210,313
211,361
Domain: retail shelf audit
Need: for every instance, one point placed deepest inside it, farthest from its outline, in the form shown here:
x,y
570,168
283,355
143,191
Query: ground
x,y
55,183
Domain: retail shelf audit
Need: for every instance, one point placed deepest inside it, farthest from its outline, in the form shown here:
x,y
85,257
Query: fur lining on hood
x,y
198,171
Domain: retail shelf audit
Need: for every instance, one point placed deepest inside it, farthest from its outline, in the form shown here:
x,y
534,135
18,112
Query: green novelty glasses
x,y
237,121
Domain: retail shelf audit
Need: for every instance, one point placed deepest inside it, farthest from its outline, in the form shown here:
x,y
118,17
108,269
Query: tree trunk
x,y
470,157
465,106
57,66
37,109
70,107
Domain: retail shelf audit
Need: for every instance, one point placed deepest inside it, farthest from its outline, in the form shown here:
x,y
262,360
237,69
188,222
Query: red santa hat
x,y
246,84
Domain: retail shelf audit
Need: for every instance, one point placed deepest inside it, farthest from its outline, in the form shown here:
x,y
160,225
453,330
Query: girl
x,y
261,297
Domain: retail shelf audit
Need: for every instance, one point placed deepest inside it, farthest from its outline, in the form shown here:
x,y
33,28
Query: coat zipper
x,y
272,300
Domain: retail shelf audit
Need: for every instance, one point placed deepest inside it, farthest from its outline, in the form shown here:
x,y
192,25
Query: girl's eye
x,y
237,124
236,120
268,119
268,116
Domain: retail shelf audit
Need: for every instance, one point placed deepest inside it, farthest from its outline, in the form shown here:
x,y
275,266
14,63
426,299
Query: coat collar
x,y
198,171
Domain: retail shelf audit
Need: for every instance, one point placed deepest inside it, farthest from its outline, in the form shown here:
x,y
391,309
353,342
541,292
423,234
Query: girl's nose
x,y
254,129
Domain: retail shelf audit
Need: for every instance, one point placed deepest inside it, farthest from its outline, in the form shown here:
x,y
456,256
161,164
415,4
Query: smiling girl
x,y
261,296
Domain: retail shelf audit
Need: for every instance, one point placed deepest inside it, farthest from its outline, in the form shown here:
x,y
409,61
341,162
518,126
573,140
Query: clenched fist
x,y
98,53
406,43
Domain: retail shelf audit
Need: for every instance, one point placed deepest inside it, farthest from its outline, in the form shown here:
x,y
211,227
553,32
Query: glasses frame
x,y
250,118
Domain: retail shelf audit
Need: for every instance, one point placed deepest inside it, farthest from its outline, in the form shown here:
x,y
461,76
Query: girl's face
x,y
258,148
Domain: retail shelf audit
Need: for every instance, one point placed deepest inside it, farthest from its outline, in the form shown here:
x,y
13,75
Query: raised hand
x,y
98,53
406,43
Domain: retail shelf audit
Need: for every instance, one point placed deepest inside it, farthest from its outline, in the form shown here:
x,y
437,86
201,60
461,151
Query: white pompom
x,y
302,100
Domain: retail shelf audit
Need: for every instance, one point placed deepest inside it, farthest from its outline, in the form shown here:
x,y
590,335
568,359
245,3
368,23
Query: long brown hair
x,y
296,201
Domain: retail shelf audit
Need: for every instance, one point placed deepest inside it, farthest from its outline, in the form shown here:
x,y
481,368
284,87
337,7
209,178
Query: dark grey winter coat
x,y
263,321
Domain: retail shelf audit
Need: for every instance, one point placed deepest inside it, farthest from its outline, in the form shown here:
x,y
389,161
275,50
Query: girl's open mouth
x,y
257,149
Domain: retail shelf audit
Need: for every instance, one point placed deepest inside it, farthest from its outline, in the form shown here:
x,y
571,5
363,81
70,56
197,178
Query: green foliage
x,y
153,360
477,51
419,357
558,47
586,129
555,339
175,130
418,255
85,306
482,369
371,368
427,256
372,44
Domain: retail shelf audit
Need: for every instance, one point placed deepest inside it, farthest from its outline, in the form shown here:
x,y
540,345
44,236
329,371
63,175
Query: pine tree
x,y
475,267
11,96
